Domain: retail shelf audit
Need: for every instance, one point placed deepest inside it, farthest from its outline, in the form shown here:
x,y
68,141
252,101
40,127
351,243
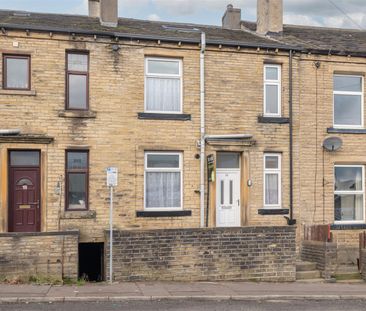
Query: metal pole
x,y
111,236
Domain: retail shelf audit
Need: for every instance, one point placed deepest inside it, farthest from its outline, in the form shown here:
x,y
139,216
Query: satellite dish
x,y
332,144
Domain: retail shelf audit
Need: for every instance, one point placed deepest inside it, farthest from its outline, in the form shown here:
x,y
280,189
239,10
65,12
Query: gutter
x,y
202,131
9,132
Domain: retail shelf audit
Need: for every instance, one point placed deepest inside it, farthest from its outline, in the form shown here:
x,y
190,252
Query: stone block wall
x,y
324,254
47,254
363,263
248,253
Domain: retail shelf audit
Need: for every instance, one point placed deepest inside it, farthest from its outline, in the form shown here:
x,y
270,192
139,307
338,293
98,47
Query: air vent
x,y
180,29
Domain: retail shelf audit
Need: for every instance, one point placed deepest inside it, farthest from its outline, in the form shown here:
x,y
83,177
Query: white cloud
x,y
154,17
298,19
186,7
81,8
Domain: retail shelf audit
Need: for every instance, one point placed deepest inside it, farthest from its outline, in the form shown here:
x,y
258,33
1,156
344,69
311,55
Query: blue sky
x,y
332,13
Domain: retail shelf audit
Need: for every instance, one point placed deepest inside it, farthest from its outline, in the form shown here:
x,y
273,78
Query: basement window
x,y
91,262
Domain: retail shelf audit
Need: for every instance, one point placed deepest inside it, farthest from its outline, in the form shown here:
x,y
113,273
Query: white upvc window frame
x,y
172,76
350,192
275,83
349,93
277,171
162,170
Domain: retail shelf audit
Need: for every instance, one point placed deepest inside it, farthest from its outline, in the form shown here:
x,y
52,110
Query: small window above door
x,y
228,160
24,158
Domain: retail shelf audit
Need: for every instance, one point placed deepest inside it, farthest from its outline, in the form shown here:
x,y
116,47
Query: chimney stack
x,y
269,16
231,18
106,10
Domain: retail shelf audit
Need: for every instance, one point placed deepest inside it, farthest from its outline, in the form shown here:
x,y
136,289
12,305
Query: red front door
x,y
24,199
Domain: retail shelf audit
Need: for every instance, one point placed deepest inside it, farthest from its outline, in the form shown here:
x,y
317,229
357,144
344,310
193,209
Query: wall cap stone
x,y
27,234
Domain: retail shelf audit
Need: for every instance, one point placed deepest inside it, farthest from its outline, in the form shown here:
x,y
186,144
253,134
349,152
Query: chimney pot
x,y
269,16
231,18
106,10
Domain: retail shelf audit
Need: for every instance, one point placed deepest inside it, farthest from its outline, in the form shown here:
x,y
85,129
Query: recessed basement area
x,y
91,262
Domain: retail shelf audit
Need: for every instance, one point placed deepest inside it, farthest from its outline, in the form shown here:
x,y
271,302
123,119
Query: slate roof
x,y
132,28
317,39
304,38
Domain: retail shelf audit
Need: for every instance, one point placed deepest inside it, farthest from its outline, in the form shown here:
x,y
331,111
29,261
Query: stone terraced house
x,y
208,126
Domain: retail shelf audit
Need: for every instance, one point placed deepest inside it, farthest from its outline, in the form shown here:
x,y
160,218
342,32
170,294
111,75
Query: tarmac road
x,y
193,305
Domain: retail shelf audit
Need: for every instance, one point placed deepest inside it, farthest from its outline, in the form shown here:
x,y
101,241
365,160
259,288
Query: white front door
x,y
228,198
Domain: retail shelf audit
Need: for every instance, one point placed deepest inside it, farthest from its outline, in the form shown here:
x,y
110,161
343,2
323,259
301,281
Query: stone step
x,y
305,266
310,281
347,276
351,281
306,275
341,269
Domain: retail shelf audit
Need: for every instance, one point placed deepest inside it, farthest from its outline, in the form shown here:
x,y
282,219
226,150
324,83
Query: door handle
x,y
34,203
238,202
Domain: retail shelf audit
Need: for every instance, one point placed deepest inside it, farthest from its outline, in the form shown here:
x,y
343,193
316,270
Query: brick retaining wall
x,y
324,254
249,253
46,254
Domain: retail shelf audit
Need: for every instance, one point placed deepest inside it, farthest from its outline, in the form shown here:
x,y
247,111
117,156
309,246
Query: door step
x,y
305,266
310,281
306,275
347,273
306,271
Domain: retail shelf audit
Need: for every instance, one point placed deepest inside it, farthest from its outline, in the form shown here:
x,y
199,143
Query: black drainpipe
x,y
290,220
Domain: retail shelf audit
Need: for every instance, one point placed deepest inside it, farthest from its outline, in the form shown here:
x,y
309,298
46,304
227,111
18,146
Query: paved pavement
x,y
175,291
193,305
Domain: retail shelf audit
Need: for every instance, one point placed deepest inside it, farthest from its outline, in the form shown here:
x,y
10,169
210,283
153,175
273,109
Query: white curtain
x,y
163,189
358,207
17,73
163,94
271,190
358,198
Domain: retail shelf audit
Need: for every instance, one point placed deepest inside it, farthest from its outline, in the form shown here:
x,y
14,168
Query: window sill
x,y
77,114
273,211
163,213
348,226
164,116
273,120
332,130
18,92
79,215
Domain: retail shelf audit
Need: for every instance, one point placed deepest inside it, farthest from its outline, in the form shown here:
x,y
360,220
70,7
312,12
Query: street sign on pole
x,y
112,181
112,176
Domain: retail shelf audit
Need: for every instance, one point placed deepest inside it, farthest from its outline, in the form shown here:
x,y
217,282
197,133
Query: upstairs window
x,y
349,193
272,90
77,180
77,79
348,101
272,180
16,72
163,85
163,181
